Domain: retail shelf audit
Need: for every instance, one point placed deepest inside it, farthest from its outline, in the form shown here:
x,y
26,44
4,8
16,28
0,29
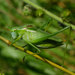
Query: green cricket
x,y
36,38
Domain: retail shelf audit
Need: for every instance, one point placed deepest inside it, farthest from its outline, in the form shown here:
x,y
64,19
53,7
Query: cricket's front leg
x,y
19,37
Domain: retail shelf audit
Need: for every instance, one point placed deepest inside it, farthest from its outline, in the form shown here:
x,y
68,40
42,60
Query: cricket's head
x,y
17,31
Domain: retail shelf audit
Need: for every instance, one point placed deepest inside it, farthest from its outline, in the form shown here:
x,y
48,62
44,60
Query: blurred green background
x,y
13,14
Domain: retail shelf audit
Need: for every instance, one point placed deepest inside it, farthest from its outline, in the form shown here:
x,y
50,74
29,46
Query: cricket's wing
x,y
49,43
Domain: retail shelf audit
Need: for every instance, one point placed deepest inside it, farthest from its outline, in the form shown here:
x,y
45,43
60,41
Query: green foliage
x,y
12,17
39,12
27,11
